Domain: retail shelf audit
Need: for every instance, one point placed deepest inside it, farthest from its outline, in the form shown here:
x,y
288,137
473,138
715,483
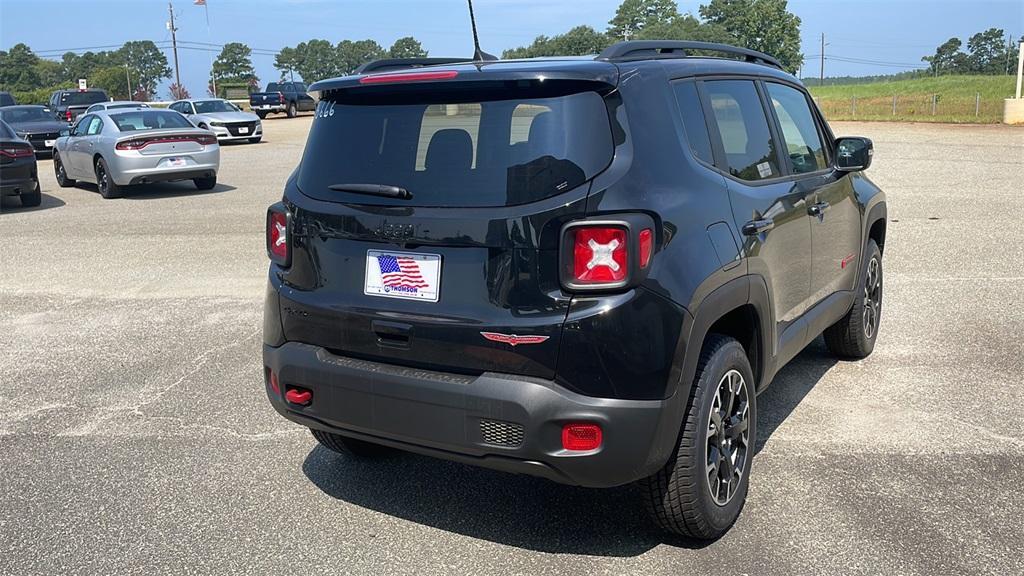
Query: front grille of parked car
x,y
39,140
501,433
234,126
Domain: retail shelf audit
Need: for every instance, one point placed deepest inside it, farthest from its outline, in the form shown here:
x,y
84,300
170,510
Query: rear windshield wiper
x,y
373,190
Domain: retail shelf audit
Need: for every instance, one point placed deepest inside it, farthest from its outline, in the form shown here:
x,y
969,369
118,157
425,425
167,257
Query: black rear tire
x,y
854,335
60,173
205,183
349,446
292,113
32,199
108,188
680,497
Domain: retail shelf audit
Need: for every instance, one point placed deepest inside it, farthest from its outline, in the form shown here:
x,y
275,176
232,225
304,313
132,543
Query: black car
x,y
584,270
35,124
18,174
68,104
6,99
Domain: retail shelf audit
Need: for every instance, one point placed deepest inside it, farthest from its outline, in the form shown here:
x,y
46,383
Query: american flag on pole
x,y
400,272
200,2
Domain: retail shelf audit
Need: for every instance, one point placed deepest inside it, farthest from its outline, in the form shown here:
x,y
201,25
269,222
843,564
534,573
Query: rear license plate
x,y
403,275
48,143
243,129
175,162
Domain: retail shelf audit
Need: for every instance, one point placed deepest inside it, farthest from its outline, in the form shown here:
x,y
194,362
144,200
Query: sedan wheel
x,y
108,188
60,173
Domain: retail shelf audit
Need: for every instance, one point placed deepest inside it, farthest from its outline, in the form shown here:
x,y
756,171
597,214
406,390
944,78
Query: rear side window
x,y
750,152
803,140
474,154
693,120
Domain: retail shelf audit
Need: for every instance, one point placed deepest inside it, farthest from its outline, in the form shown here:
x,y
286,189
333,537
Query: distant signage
x,y
82,84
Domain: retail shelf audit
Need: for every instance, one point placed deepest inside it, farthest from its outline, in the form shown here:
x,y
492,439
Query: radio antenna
x,y
478,54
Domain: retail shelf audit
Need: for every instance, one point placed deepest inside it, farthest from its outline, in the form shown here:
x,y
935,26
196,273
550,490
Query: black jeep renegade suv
x,y
581,269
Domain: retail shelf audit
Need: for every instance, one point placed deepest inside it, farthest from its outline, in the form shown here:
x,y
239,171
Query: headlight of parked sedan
x,y
216,123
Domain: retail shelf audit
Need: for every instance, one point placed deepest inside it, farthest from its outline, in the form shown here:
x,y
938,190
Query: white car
x,y
222,118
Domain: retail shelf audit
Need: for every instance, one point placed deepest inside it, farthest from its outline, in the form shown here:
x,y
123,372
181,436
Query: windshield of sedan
x,y
209,106
16,115
148,120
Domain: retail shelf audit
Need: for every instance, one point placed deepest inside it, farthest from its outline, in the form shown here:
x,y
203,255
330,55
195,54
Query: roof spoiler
x,y
643,49
388,64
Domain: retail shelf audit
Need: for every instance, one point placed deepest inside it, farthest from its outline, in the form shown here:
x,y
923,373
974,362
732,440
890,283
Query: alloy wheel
x,y
728,437
872,298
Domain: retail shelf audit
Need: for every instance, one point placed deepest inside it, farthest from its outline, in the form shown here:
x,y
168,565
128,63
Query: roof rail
x,y
400,63
639,49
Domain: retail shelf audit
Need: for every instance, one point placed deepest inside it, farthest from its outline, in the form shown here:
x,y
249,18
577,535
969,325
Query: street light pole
x,y
174,44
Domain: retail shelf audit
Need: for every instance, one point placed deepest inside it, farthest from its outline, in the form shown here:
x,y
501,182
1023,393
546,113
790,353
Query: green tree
x,y
286,61
948,59
113,80
351,55
763,25
580,41
146,63
987,52
315,60
234,66
685,27
633,16
18,69
407,47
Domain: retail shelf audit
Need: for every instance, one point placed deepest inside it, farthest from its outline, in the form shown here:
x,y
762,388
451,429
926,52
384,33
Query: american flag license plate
x,y
403,275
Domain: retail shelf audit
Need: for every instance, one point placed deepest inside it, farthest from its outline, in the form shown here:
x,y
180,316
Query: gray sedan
x,y
120,148
223,118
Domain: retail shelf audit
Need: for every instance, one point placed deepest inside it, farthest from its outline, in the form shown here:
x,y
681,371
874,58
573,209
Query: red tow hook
x,y
299,396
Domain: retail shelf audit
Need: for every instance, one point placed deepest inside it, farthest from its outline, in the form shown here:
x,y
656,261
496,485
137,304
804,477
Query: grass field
x,y
957,99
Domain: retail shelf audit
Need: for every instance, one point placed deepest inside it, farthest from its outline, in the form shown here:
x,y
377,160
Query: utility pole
x,y
129,79
174,44
821,78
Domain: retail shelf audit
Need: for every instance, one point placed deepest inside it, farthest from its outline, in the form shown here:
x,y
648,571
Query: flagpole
x,y
209,36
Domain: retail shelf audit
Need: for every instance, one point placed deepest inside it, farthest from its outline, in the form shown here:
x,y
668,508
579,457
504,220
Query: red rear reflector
x,y
274,385
67,114
581,437
409,77
599,255
299,396
646,247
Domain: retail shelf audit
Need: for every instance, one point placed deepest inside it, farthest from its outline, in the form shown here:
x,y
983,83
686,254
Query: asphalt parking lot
x,y
135,437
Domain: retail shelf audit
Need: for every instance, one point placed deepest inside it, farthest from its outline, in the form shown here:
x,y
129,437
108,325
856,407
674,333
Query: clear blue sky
x,y
894,31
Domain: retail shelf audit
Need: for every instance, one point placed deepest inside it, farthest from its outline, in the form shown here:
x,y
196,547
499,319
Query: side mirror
x,y
65,132
853,154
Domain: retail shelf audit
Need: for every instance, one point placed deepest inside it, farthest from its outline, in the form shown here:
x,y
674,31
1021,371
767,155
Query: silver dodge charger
x,y
120,148
222,118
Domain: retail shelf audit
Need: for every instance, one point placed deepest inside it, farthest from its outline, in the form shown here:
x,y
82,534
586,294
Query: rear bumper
x,y
130,168
18,177
441,414
271,108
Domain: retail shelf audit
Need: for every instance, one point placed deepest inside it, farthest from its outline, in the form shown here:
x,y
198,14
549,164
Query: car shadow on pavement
x,y
527,512
172,190
11,204
510,509
789,387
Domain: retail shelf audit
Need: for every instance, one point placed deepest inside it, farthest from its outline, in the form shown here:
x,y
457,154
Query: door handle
x,y
818,209
755,227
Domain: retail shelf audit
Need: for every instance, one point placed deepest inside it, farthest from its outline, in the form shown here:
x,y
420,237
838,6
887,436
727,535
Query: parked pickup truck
x,y
288,97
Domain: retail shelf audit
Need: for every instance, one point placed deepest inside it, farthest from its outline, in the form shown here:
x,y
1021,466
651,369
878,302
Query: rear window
x,y
82,98
148,119
492,153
